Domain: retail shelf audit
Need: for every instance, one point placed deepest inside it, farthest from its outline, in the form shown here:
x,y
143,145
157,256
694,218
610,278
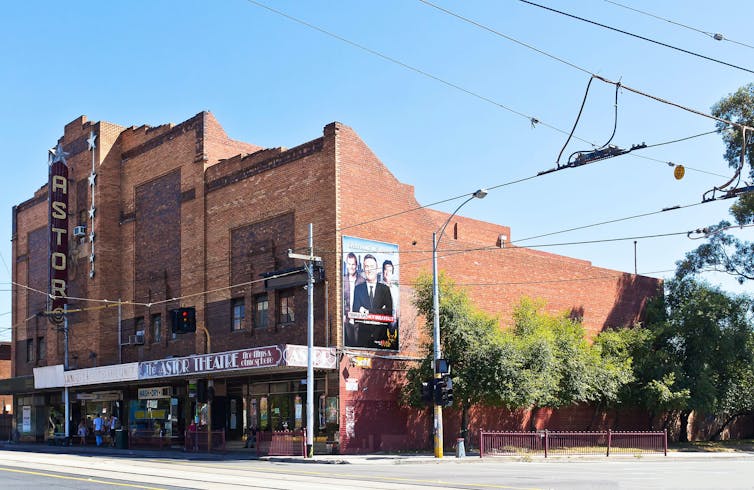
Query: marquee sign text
x,y
58,191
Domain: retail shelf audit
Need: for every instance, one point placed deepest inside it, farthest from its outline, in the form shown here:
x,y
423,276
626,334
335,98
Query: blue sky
x,y
275,82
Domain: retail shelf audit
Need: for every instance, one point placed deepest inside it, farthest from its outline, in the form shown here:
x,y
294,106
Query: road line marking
x,y
91,480
356,476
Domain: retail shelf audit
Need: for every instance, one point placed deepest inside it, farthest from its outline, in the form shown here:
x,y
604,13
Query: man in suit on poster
x,y
351,279
371,297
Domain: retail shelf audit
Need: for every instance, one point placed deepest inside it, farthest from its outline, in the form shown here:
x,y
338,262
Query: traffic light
x,y
444,391
427,391
447,394
183,320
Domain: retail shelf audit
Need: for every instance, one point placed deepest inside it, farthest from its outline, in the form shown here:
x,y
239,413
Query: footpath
x,y
374,459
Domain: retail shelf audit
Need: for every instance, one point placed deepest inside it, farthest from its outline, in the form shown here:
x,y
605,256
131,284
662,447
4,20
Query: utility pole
x,y
311,260
437,354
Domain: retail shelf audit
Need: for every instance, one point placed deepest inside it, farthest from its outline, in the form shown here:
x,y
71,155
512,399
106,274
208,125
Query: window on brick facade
x,y
139,324
29,350
237,314
261,305
157,328
287,305
41,348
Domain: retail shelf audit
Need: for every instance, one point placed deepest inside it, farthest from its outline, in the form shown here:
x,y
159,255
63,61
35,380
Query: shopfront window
x,y
281,405
157,417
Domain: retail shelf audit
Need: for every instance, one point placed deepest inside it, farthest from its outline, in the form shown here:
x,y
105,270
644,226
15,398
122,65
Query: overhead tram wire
x,y
113,303
453,252
643,38
714,35
509,38
532,119
395,61
582,69
428,75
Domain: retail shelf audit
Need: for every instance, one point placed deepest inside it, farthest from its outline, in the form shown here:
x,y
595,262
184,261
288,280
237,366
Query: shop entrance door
x,y
281,412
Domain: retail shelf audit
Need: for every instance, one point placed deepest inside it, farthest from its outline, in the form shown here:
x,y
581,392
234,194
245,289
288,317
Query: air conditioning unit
x,y
79,231
137,339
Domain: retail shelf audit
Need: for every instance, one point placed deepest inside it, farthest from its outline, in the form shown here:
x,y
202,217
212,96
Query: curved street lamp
x,y
436,237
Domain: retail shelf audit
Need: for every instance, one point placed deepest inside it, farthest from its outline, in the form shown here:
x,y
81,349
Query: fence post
x,y
547,442
481,443
609,441
665,441
303,444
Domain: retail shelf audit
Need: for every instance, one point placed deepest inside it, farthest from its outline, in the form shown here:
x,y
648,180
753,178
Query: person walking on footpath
x,y
98,429
82,432
113,426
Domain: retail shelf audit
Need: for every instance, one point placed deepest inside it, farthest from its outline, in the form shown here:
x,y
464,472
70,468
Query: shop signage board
x,y
101,396
253,358
102,374
322,357
156,392
257,357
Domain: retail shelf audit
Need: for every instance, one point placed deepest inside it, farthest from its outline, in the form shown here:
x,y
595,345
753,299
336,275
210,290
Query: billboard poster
x,y
371,299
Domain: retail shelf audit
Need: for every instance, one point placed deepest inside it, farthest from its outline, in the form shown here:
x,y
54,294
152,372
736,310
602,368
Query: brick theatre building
x,y
136,223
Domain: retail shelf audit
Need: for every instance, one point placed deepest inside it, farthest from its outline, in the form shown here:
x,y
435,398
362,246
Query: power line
x,y
603,79
532,119
448,252
607,222
692,53
509,38
402,64
685,139
714,35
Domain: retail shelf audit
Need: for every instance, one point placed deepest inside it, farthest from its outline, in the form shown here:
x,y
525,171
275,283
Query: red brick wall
x,y
220,189
496,279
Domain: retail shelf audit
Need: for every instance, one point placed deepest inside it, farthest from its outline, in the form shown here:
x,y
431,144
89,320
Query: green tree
x,y
724,252
543,360
701,337
470,341
560,367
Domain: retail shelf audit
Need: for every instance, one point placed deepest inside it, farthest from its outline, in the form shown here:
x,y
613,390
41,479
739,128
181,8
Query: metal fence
x,y
196,441
281,443
571,443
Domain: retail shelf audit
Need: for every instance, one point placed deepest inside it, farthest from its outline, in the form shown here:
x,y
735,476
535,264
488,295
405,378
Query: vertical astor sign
x,y
58,191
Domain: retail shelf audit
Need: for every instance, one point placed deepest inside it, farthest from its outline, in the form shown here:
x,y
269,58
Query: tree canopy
x,y
696,353
723,252
542,360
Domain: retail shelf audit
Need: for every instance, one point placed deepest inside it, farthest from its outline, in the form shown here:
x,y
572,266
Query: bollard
x,y
460,448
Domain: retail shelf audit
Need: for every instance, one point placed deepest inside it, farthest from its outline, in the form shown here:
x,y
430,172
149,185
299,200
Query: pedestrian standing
x,y
82,432
98,423
113,426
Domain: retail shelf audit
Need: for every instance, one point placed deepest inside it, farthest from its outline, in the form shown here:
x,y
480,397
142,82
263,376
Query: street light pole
x,y
437,354
311,262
